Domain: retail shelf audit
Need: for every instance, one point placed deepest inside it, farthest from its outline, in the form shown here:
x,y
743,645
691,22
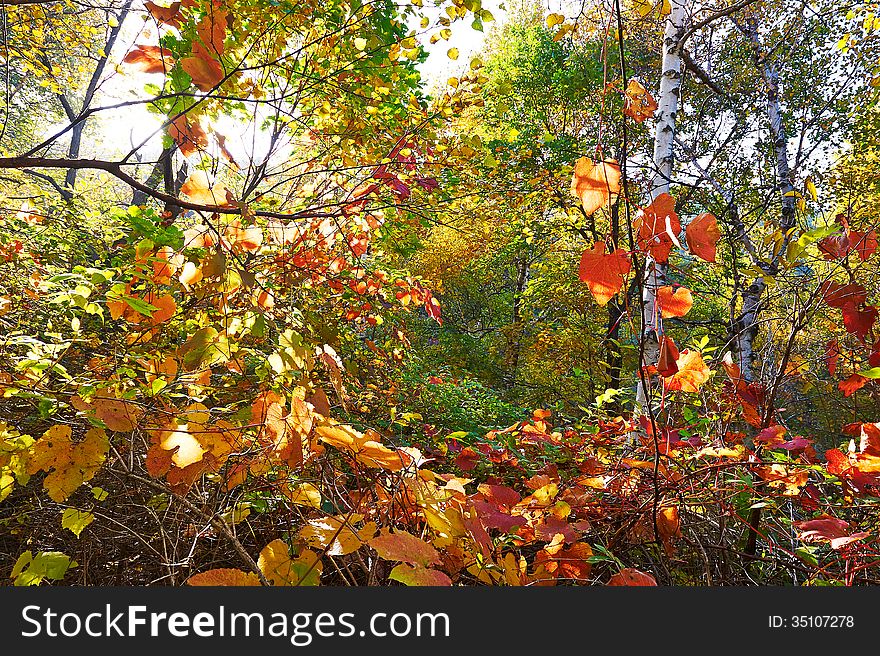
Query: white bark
x,y
664,138
747,325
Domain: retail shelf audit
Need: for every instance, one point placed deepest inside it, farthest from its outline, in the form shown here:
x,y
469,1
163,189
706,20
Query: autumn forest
x,y
439,293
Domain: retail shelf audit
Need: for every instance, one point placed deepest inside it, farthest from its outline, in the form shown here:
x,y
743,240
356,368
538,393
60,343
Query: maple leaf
x,y
826,528
870,439
639,104
788,480
566,563
366,448
604,273
674,302
149,59
657,227
632,577
702,235
595,182
189,136
404,547
224,576
692,372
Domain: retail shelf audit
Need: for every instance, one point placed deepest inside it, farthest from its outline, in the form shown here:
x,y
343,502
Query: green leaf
x,y
140,306
872,373
76,520
31,570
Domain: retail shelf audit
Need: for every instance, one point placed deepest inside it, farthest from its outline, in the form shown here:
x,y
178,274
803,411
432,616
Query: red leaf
x,y
500,495
432,307
632,577
467,459
828,529
859,321
852,384
149,59
870,440
771,436
492,517
865,243
604,274
595,182
834,247
840,296
674,303
404,547
667,364
702,236
832,354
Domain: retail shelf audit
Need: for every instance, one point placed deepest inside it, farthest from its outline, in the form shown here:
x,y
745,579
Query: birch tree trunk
x,y
664,137
746,328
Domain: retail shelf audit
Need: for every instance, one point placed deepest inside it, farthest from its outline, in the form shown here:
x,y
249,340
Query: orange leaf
x,y
632,577
117,414
595,182
639,103
224,576
852,384
188,135
702,236
165,308
212,30
657,227
199,189
149,59
604,274
667,363
206,72
674,303
692,372
168,15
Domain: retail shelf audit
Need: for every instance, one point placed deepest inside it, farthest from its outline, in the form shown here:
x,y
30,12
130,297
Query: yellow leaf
x,y
224,577
69,464
335,534
452,53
